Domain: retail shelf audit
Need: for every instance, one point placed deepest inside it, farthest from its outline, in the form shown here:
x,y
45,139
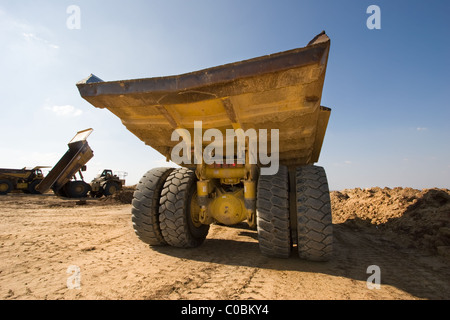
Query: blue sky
x,y
389,89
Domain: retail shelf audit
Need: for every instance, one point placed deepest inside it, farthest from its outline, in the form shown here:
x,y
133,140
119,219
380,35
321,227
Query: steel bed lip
x,y
316,51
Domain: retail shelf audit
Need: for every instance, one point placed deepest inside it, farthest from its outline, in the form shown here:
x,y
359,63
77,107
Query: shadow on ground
x,y
418,272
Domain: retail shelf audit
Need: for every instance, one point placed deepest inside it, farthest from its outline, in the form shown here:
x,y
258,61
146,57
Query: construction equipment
x,y
281,93
106,183
62,178
24,179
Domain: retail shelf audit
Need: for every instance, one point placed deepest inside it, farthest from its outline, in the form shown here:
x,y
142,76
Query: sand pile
x,y
420,218
124,196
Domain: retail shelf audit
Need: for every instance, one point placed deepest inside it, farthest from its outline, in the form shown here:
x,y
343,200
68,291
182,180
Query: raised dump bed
x,y
59,179
279,94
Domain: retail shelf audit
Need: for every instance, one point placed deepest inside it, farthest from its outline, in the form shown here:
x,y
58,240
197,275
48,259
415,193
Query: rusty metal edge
x,y
313,53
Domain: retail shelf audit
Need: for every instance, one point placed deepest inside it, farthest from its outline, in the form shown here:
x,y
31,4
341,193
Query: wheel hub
x,y
228,209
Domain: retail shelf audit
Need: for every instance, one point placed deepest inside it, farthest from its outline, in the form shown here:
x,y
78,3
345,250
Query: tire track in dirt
x,y
408,270
38,244
221,268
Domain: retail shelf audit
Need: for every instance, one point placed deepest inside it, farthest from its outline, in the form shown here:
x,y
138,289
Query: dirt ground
x,y
405,232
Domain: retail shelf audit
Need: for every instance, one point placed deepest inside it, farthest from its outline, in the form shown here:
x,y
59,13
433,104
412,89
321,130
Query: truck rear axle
x,y
288,201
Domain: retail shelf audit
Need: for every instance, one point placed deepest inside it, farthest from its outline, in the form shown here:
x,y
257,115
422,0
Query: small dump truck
x,y
62,178
185,117
24,179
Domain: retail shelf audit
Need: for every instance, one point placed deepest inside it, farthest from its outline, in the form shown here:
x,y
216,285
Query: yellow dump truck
x,y
105,183
246,135
62,178
24,179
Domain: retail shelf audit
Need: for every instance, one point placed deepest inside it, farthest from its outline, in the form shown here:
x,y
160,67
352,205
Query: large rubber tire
x,y
32,187
77,189
272,214
111,187
5,187
314,219
177,226
145,210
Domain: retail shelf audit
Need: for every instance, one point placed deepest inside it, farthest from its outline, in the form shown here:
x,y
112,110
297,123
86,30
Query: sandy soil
x,y
403,231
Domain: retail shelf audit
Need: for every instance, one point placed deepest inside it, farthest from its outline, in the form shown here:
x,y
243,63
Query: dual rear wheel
x,y
307,221
164,212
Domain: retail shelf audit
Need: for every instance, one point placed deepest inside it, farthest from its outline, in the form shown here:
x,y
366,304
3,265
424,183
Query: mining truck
x,y
63,179
24,180
184,117
106,183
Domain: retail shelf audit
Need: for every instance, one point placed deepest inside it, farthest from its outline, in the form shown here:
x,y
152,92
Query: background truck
x,y
63,180
106,183
24,179
282,91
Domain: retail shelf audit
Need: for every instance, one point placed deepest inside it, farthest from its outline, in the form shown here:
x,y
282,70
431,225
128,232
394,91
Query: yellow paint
x,y
228,208
249,190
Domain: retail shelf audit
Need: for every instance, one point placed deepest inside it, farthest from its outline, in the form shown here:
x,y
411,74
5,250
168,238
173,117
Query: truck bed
x,y
72,161
279,91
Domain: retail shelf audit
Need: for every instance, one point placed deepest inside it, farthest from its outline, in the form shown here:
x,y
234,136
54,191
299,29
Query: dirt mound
x,y
124,196
417,218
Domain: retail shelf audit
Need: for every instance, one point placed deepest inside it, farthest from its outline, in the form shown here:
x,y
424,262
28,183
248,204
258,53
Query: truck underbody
x,y
279,93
